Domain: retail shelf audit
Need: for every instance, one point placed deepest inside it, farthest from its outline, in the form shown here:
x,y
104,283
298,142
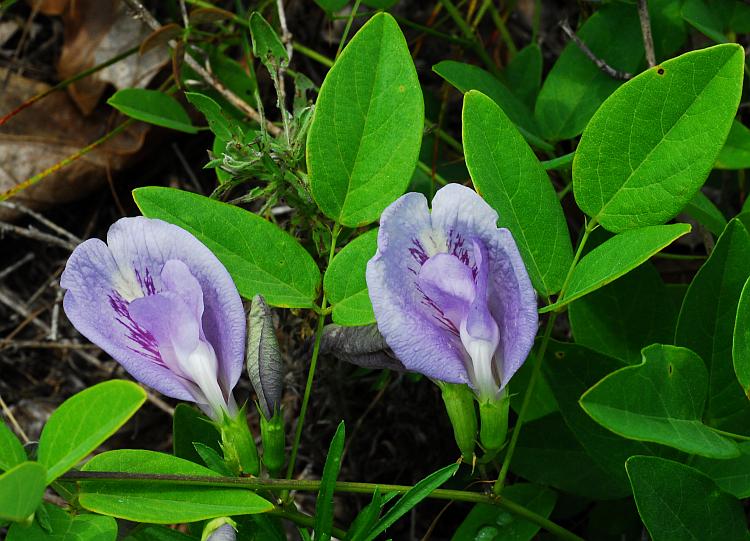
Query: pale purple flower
x,y
161,304
450,292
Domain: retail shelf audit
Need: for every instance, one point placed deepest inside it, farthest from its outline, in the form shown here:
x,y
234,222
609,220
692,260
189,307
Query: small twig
x,y
55,318
18,264
30,233
12,419
39,344
204,74
601,64
187,168
648,40
41,219
286,36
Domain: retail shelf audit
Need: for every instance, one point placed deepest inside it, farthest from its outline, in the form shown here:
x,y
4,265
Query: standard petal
x,y
94,306
462,214
405,241
448,285
141,246
512,302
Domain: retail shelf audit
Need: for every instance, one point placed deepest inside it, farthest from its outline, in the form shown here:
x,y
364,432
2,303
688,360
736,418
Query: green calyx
x,y
274,442
238,444
459,404
493,415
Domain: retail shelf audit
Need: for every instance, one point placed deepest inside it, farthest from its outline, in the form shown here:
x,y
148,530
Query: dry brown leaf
x,y
49,131
50,8
96,31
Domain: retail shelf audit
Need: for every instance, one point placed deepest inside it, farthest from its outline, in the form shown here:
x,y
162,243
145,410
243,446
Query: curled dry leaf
x,y
363,346
49,131
96,31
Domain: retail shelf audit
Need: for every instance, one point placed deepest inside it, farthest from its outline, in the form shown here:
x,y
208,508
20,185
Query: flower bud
x,y
274,442
459,403
220,529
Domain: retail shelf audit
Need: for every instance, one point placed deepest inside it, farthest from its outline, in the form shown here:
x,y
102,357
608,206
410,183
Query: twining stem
x,y
347,28
468,32
499,484
314,486
731,435
313,364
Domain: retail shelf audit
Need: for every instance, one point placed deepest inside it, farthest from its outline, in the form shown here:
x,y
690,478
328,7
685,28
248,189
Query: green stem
x,y
536,20
347,27
303,520
559,162
565,191
433,174
467,31
500,24
732,435
313,364
432,32
498,487
312,54
314,486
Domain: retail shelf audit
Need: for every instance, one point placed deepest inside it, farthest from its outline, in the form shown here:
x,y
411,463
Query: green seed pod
x,y
459,403
274,442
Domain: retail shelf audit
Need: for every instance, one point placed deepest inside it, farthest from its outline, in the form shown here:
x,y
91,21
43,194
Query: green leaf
x,y
366,130
64,527
266,43
21,491
733,475
741,339
217,121
84,421
324,504
541,403
625,174
571,370
466,77
508,175
154,532
153,107
212,459
11,450
549,454
706,325
492,522
615,257
575,87
189,426
524,74
345,285
366,518
625,316
678,502
411,498
661,400
161,502
332,5
707,20
262,258
735,154
702,209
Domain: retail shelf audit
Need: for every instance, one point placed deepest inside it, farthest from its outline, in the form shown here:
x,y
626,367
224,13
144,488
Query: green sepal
x,y
459,404
211,526
493,417
238,444
274,442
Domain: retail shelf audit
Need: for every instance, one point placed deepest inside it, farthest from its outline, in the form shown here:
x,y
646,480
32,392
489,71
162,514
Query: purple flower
x,y
160,303
450,292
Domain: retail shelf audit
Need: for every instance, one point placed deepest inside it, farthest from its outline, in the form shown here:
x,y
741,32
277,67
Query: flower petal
x,y
102,279
405,241
93,305
449,285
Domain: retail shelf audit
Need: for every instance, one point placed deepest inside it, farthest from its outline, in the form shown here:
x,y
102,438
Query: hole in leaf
x,y
670,369
559,355
660,71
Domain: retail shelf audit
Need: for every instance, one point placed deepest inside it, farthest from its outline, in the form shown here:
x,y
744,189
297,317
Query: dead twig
x,y
31,233
145,15
18,264
601,64
41,219
648,40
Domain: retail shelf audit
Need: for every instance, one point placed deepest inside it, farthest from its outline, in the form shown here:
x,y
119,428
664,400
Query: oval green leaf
x,y
679,502
367,127
741,342
508,175
735,154
153,107
81,423
615,257
59,525
466,77
21,491
345,284
262,258
706,325
650,146
11,450
161,502
324,504
661,400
